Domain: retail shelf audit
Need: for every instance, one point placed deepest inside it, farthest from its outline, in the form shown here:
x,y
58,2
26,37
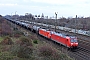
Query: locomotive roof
x,y
59,34
45,29
62,35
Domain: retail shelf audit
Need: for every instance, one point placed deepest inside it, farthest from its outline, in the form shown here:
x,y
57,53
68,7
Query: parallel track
x,y
81,53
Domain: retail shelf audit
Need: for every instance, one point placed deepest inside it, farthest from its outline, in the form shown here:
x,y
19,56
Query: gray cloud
x,y
48,7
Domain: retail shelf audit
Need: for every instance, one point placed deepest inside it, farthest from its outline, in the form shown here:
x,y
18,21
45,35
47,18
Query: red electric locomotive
x,y
68,41
45,33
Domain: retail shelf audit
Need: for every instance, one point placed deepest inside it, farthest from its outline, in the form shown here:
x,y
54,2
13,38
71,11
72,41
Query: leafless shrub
x,y
25,41
25,52
46,51
5,28
23,48
7,41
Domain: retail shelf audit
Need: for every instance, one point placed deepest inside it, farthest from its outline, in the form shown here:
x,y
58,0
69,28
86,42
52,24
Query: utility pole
x,y
11,14
15,15
15,19
11,22
75,24
55,20
47,21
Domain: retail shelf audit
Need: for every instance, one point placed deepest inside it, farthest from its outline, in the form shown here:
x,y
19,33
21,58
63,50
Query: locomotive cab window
x,y
73,40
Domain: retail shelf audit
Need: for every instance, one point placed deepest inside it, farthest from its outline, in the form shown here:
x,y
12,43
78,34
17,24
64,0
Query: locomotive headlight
x,y
76,43
71,44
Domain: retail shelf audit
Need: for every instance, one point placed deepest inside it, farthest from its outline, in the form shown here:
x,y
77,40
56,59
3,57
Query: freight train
x,y
66,40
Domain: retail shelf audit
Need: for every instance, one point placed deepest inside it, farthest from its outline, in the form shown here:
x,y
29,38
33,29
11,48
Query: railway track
x,y
84,44
80,54
83,53
84,41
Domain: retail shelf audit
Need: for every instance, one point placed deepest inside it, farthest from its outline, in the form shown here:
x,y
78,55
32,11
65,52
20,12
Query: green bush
x,y
35,41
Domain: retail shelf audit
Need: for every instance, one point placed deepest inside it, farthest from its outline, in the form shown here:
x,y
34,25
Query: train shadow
x,y
74,49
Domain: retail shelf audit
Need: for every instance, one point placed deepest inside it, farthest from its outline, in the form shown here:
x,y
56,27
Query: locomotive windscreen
x,y
73,40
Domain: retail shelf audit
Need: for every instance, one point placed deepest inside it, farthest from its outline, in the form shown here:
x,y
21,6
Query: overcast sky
x,y
66,8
